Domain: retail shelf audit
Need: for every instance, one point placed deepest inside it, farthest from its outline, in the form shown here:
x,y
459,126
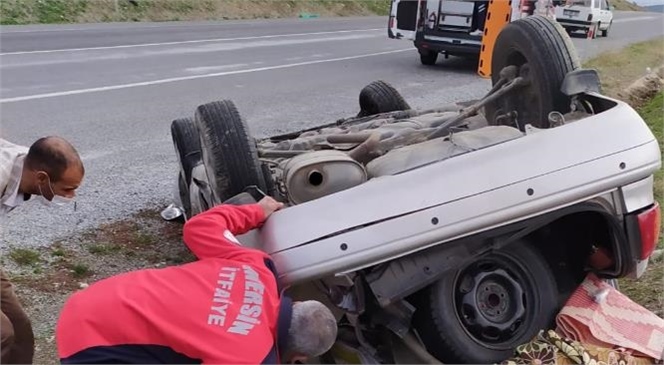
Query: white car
x,y
460,230
586,15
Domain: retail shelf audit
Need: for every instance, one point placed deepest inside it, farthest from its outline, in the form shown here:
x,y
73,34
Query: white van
x,y
586,15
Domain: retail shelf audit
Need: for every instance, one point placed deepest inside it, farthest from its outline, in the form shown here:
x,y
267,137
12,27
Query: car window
x,y
586,3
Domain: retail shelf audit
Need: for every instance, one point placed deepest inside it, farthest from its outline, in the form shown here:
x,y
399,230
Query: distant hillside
x,y
655,8
625,5
83,11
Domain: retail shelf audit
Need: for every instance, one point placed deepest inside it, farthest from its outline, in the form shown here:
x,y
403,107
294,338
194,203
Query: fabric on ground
x,y
597,314
549,348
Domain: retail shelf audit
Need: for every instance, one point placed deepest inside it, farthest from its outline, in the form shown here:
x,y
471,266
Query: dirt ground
x,y
44,278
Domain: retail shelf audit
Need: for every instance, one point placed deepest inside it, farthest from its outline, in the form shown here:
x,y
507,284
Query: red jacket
x,y
223,308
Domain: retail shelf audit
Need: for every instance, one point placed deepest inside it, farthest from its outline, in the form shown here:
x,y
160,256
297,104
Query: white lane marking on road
x,y
204,69
634,19
193,77
50,60
83,29
185,42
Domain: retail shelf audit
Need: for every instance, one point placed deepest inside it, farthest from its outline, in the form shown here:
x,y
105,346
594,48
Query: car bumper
x,y
579,24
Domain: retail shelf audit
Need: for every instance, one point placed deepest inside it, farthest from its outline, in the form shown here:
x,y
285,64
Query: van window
x,y
586,3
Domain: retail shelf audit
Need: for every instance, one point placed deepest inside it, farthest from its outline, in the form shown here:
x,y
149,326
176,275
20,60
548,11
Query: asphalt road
x,y
113,89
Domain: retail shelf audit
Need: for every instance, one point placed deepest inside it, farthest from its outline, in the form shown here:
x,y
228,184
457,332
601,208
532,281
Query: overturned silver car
x,y
459,230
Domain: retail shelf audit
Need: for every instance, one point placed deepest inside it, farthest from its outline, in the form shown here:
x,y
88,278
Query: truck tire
x,y
428,58
481,312
547,49
228,150
380,97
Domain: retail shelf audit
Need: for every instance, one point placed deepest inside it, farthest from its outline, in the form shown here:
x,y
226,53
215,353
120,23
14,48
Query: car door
x,y
405,16
596,11
607,13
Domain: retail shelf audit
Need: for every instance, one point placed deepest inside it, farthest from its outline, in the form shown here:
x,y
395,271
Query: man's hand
x,y
270,205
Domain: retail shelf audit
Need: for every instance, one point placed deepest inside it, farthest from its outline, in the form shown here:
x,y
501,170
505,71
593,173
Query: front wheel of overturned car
x,y
481,312
543,54
380,97
228,150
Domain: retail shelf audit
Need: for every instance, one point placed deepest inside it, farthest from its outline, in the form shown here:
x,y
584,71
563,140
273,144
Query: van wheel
x,y
428,57
228,150
481,312
544,53
380,97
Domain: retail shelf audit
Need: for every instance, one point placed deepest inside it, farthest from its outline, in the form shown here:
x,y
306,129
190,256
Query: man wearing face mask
x,y
51,170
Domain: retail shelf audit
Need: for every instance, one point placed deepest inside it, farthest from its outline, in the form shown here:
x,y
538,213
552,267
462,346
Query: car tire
x,y
428,58
227,149
380,97
605,32
515,279
188,151
544,45
187,145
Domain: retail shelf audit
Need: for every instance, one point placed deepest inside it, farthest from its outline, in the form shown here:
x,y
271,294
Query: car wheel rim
x,y
491,301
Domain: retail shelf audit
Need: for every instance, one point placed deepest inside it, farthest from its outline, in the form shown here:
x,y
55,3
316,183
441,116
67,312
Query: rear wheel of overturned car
x,y
188,151
380,97
544,53
228,150
481,312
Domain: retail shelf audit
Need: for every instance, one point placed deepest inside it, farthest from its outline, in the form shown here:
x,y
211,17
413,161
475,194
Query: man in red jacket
x,y
225,308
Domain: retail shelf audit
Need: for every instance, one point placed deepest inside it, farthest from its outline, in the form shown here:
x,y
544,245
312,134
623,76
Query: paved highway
x,y
113,89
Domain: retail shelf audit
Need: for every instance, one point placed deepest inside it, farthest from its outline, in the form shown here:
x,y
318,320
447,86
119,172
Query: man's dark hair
x,y
52,155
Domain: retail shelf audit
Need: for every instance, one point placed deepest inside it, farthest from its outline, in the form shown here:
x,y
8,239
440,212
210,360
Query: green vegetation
x,y
83,11
103,248
618,69
80,271
625,5
653,114
25,257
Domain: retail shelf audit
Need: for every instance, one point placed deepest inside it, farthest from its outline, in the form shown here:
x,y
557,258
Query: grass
x,y
80,271
82,11
619,68
653,114
625,5
25,257
103,249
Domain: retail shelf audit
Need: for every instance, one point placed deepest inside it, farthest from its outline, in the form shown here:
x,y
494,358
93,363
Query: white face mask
x,y
57,199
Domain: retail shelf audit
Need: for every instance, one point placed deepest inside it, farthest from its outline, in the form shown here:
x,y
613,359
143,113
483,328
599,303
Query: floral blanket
x,y
550,348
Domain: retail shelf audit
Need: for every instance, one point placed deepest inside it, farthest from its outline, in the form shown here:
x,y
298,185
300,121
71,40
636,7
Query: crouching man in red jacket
x,y
225,308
